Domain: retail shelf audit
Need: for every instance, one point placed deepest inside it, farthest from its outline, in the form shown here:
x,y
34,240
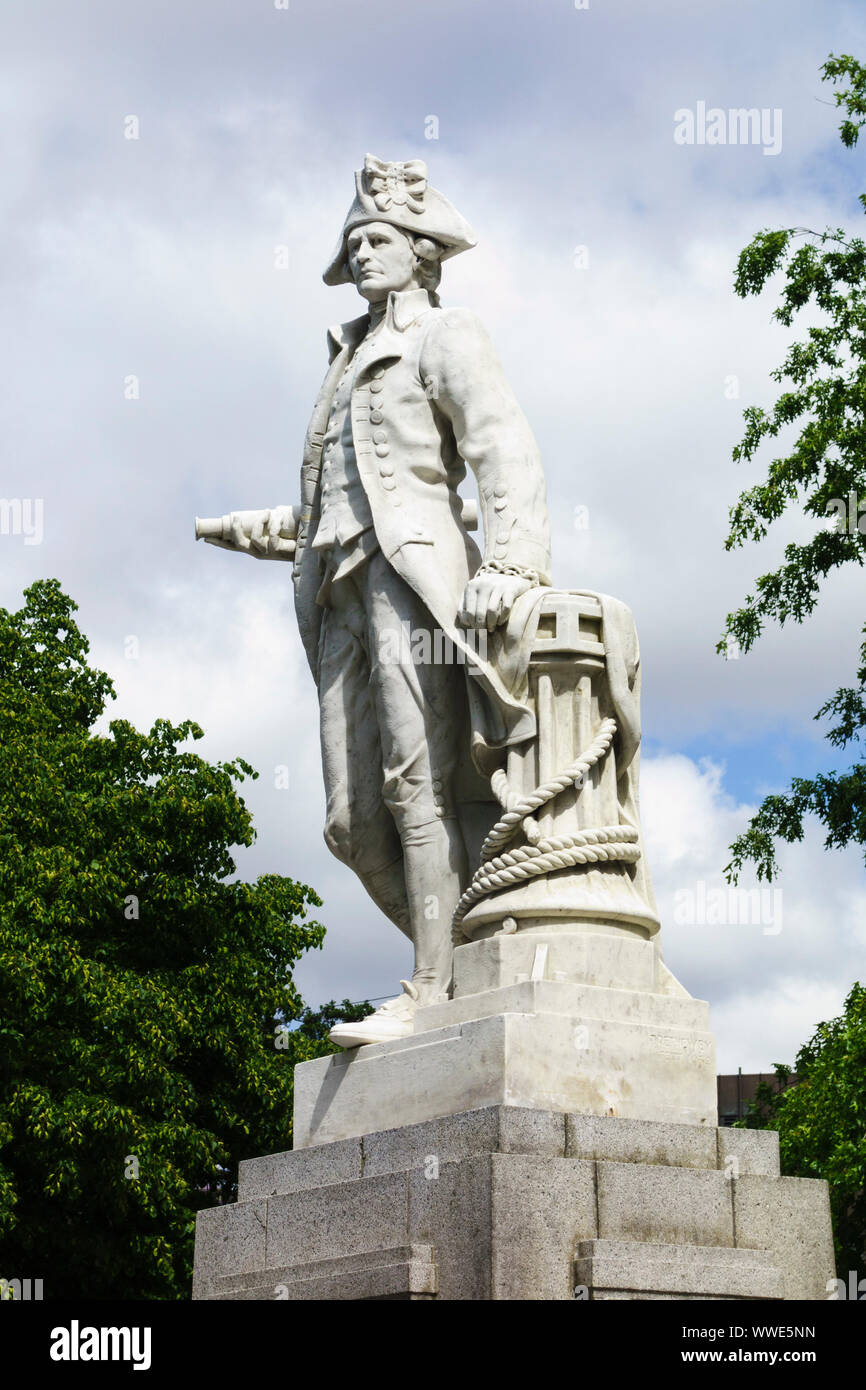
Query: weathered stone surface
x,y
612,961
791,1218
341,1219
531,1059
531,1131
390,1085
626,1269
295,1170
666,1206
582,1003
498,1203
453,1214
749,1152
641,1141
542,1208
446,1140
429,1146
406,1272
229,1240
504,1226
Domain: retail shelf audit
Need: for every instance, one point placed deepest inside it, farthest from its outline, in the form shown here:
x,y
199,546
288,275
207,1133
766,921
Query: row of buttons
x,y
381,444
500,501
379,437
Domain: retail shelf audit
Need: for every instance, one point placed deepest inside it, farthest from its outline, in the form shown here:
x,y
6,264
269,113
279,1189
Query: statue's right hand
x,y
260,535
247,532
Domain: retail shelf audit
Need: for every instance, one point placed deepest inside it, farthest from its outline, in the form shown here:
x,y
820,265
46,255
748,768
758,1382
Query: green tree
x,y
822,1123
144,997
824,399
317,1023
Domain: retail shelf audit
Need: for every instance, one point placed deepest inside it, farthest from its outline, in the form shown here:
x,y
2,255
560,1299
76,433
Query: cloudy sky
x,y
604,274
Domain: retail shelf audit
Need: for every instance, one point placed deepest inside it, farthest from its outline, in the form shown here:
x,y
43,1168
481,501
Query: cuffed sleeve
x,y
464,377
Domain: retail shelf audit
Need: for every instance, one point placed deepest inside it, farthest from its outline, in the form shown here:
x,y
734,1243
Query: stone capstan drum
x,y
480,736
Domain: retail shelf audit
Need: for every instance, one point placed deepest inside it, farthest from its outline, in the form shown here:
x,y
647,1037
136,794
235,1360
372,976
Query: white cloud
x,y
156,257
771,978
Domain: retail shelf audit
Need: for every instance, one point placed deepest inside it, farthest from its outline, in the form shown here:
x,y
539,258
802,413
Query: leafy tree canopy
x,y
317,1023
822,1122
823,378
143,995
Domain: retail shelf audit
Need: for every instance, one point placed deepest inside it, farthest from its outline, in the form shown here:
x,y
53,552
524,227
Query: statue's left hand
x,y
488,599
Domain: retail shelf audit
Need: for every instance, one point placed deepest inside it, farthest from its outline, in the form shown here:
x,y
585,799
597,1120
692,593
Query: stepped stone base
x,y
587,1022
506,1202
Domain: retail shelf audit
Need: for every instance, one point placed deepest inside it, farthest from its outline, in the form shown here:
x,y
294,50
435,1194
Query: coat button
x,y
375,387
389,483
378,371
499,490
385,471
376,417
382,450
380,436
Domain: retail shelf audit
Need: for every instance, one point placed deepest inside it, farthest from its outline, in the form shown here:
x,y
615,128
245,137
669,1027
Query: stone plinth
x,y
584,1021
512,1203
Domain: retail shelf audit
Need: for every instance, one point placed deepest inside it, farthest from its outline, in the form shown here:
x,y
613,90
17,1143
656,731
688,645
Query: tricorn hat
x,y
399,194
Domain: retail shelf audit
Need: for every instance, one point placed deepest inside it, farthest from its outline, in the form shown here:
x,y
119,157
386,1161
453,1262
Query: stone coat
x,y
430,397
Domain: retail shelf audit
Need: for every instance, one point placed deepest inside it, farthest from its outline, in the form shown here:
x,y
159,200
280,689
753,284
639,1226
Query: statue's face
x,y
381,259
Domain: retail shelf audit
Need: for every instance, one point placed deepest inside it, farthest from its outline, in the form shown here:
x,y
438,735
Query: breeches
x,y
392,729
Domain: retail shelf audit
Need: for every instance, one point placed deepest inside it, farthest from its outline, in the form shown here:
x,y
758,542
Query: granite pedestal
x,y
513,1203
548,1133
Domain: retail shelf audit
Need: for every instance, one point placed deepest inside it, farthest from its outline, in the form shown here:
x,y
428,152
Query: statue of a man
x,y
413,394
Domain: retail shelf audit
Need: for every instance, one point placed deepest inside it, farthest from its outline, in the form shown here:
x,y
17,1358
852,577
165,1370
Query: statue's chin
x,y
377,293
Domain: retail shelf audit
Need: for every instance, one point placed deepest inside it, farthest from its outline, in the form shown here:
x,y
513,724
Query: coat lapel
x,y
387,344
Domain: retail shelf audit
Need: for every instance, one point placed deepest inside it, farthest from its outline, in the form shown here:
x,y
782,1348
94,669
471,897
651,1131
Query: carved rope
x,y
542,856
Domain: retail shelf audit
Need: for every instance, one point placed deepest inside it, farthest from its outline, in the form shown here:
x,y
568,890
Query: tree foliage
x,y
143,995
316,1024
823,399
822,1122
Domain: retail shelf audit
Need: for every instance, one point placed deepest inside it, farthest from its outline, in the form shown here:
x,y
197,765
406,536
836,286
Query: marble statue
x,y
452,686
480,746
